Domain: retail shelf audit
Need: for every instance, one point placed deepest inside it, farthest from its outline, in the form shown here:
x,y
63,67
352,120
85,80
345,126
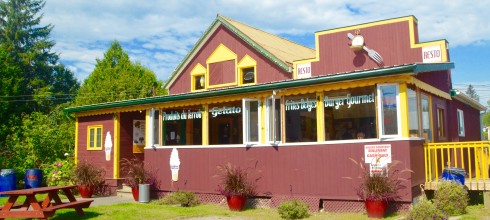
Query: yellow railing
x,y
473,157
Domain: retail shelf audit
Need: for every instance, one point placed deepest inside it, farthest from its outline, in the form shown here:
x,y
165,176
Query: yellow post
x,y
404,109
115,145
320,121
75,154
205,125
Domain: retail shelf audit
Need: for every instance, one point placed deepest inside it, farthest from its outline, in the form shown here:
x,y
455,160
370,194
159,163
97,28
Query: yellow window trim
x,y
247,62
197,71
94,127
75,154
220,54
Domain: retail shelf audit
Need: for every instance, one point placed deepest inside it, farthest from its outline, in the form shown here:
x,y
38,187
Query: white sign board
x,y
379,153
378,169
432,54
303,70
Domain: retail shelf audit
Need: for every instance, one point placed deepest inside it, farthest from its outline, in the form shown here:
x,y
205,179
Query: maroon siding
x,y
391,41
126,134
266,70
471,122
96,157
222,72
438,79
317,170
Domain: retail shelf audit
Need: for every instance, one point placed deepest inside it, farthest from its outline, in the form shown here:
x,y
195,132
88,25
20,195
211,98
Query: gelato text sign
x,y
225,111
379,153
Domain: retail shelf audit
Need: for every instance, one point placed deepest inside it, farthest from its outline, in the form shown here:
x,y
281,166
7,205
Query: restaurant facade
x,y
293,116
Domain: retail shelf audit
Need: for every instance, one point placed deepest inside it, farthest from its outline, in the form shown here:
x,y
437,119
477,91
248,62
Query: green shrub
x,y
59,173
425,209
451,197
293,210
184,199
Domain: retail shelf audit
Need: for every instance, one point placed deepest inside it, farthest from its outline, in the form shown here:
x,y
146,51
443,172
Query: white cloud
x,y
160,33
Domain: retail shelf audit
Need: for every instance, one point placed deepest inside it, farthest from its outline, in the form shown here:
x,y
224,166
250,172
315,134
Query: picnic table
x,y
42,209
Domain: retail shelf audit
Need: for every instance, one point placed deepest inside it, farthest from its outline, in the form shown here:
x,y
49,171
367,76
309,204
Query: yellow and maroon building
x,y
291,115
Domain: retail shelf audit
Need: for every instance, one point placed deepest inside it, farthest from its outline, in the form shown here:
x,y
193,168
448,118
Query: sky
x,y
159,33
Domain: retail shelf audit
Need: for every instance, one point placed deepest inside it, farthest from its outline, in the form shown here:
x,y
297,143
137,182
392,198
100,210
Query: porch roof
x,y
355,75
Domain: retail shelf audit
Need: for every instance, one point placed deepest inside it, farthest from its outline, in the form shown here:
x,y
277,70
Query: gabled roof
x,y
280,51
386,71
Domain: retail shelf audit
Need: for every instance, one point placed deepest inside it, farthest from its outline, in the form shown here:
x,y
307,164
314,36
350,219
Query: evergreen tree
x,y
31,78
116,78
471,92
28,45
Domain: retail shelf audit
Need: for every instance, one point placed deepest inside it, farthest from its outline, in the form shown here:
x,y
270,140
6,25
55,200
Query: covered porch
x,y
472,157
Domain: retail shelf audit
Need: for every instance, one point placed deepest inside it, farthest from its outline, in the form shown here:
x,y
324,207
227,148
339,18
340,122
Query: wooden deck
x,y
481,185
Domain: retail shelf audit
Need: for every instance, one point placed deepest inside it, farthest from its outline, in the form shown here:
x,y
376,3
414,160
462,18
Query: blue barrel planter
x,y
33,178
8,180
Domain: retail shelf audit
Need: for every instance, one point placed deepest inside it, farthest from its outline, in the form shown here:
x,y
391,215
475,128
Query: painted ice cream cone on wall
x,y
108,146
174,164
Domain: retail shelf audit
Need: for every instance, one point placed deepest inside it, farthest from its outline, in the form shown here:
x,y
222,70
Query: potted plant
x,y
235,185
377,189
136,174
88,176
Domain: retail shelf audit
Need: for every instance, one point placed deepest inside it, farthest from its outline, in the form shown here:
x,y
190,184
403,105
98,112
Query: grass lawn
x,y
129,211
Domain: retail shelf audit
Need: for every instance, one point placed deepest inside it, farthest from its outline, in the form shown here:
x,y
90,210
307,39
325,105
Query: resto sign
x,y
431,54
378,153
303,70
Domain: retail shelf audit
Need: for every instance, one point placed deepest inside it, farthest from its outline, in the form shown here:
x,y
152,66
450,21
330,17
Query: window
x,y
248,75
182,126
413,113
350,114
156,126
198,77
425,106
251,119
225,123
273,121
460,122
199,82
94,137
441,131
388,105
301,118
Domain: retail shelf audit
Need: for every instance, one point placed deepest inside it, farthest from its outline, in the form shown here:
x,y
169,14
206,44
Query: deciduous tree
x,y
116,78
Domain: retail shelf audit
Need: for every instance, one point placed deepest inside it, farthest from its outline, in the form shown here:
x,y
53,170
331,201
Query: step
x,y
124,192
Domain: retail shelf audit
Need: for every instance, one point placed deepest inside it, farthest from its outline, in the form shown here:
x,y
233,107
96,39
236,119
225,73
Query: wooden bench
x,y
77,205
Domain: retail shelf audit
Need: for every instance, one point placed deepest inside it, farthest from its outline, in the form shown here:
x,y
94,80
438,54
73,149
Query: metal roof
x,y
279,51
387,71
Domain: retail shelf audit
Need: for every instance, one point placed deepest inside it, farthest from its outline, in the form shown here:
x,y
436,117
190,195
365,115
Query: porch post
x,y
116,145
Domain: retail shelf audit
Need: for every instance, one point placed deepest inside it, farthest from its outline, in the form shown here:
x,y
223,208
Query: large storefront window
x,y
389,122
350,114
225,123
273,120
251,119
413,113
301,118
182,126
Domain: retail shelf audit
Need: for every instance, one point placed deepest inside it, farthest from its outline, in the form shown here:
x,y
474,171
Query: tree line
x,y
35,87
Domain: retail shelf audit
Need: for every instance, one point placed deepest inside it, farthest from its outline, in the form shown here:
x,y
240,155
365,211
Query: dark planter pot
x,y
376,208
236,202
86,191
136,193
